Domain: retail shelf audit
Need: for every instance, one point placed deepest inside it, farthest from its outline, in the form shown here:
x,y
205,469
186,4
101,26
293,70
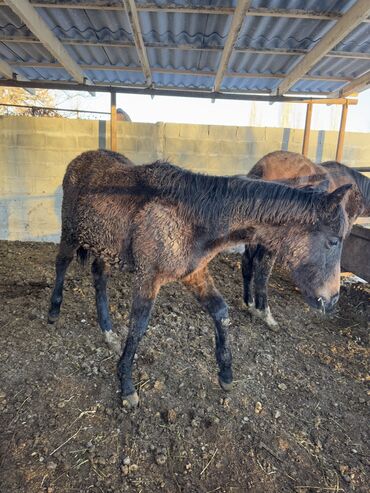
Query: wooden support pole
x,y
307,130
342,131
113,121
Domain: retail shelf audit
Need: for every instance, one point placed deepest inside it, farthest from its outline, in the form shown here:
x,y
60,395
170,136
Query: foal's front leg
x,y
142,304
247,271
202,286
263,263
100,272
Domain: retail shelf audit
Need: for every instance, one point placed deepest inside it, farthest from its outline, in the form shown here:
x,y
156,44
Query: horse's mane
x,y
262,201
362,182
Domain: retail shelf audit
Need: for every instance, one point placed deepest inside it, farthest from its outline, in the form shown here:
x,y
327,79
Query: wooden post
x,y
307,130
342,130
113,121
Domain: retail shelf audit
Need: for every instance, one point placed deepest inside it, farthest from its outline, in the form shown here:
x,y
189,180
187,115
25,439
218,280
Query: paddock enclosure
x,y
297,418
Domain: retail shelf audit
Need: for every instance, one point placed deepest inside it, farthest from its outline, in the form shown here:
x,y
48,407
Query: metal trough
x,y
356,252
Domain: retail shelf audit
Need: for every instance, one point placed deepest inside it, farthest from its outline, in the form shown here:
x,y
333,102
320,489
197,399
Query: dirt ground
x,y
296,420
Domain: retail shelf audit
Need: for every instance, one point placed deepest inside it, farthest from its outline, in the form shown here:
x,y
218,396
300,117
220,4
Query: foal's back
x,y
284,165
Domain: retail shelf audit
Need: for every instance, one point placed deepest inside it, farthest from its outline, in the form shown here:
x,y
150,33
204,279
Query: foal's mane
x,y
362,182
214,198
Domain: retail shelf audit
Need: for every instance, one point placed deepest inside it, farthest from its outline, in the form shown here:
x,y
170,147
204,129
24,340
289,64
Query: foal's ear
x,y
336,197
321,186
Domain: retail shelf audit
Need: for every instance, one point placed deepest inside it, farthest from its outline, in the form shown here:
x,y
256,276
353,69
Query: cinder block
x,y
61,141
128,144
147,146
87,143
143,157
222,132
251,134
31,140
178,146
7,138
195,132
172,130
15,186
81,127
135,129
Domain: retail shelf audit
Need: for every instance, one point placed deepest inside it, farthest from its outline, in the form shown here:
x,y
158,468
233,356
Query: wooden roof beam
x,y
236,24
6,70
184,47
186,9
351,19
29,15
356,85
174,71
134,21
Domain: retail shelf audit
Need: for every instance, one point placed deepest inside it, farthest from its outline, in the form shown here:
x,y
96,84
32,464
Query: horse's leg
x,y
262,265
202,286
64,258
143,300
247,271
100,272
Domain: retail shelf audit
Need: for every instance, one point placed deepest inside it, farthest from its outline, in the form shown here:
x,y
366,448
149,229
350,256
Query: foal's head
x,y
312,252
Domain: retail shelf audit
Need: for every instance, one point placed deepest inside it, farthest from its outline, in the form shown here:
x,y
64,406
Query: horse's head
x,y
313,252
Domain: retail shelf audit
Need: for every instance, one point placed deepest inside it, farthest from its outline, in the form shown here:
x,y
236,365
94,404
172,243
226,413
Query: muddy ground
x,y
296,420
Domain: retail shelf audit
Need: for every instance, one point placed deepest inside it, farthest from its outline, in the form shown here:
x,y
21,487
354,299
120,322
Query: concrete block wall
x,y
34,153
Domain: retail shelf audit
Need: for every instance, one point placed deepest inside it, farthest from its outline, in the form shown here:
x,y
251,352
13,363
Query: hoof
x,y
227,387
130,401
113,341
52,318
265,316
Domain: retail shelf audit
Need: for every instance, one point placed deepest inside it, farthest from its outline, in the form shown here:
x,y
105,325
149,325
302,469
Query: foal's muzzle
x,y
322,304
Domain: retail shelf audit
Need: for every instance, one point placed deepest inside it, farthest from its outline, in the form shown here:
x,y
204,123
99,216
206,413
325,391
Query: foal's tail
x,y
83,255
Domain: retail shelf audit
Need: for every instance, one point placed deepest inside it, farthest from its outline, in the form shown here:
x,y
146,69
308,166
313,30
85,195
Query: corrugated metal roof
x,y
339,6
185,49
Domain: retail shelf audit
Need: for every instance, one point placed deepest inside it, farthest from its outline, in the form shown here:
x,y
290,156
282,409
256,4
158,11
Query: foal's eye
x,y
333,242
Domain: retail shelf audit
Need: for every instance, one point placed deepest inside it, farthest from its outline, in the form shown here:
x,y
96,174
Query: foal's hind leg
x,y
202,286
263,263
100,272
64,258
247,271
144,295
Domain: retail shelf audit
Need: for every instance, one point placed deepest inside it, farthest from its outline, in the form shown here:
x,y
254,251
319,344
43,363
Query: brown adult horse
x,y
166,224
297,171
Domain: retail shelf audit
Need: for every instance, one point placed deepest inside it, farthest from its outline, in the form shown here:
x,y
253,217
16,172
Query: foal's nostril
x,y
334,299
332,302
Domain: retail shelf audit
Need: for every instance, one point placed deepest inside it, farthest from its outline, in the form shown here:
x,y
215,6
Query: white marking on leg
x,y
113,341
266,316
130,401
269,319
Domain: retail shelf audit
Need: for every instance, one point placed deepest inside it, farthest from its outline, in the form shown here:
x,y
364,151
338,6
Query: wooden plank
x,y
356,85
341,135
307,130
195,9
113,121
236,24
198,73
6,70
133,19
182,47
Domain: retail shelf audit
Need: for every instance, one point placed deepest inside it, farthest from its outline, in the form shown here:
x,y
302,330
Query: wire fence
x,y
53,112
